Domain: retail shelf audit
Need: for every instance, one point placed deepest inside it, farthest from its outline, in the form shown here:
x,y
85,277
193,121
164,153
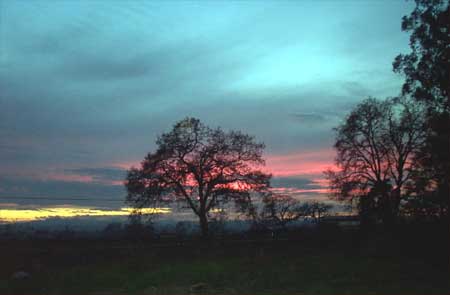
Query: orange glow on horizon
x,y
18,215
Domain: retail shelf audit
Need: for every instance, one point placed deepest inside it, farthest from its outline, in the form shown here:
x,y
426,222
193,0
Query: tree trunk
x,y
391,207
204,225
367,212
396,205
387,210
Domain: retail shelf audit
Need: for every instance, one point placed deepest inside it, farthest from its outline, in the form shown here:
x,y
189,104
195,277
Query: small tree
x,y
139,225
318,210
201,167
113,230
218,219
280,210
181,230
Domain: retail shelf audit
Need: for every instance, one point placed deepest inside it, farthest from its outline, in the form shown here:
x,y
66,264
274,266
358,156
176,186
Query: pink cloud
x,y
322,182
300,163
126,164
68,177
291,164
292,190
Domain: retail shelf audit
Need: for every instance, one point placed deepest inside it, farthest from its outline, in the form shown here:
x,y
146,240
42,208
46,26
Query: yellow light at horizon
x,y
15,215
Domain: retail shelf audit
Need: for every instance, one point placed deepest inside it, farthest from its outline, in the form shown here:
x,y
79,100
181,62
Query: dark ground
x,y
409,260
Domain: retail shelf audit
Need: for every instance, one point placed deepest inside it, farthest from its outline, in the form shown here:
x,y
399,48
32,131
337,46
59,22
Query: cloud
x,y
24,191
300,187
100,174
102,68
85,85
310,118
300,163
294,182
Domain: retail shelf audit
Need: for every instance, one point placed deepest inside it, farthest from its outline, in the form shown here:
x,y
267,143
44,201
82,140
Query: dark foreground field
x,y
328,261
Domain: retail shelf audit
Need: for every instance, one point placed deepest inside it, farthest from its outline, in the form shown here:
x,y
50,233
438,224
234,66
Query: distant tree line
x,y
277,211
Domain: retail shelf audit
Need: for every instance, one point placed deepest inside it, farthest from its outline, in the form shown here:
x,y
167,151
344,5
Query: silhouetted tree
x,y
218,219
280,210
181,230
318,210
404,139
139,226
375,145
361,157
427,73
113,230
199,166
426,68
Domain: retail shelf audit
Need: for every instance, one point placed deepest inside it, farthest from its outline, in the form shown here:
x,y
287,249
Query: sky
x,y
87,86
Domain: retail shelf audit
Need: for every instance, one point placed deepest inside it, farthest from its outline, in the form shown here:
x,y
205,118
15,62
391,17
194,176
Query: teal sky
x,y
86,86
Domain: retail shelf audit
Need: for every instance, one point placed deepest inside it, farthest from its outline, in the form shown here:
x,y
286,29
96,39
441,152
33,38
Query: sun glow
x,y
18,215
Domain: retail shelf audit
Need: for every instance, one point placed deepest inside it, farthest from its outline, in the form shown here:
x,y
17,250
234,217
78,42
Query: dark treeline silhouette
x,y
393,154
277,211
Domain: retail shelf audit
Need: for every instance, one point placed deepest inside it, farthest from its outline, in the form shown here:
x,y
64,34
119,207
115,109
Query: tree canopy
x,y
427,80
375,146
426,68
201,167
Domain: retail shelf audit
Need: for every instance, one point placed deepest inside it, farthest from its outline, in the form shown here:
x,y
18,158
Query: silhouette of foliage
x,y
427,80
427,72
319,210
375,147
279,210
426,68
201,167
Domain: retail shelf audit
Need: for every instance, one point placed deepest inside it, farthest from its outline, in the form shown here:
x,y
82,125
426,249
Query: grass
x,y
326,262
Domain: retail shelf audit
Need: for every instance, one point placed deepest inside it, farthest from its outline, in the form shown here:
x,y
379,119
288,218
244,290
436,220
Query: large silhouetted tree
x,y
363,173
375,146
426,68
201,167
427,79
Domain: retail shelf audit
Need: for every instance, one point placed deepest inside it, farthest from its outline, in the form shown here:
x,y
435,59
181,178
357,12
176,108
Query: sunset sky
x,y
86,86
